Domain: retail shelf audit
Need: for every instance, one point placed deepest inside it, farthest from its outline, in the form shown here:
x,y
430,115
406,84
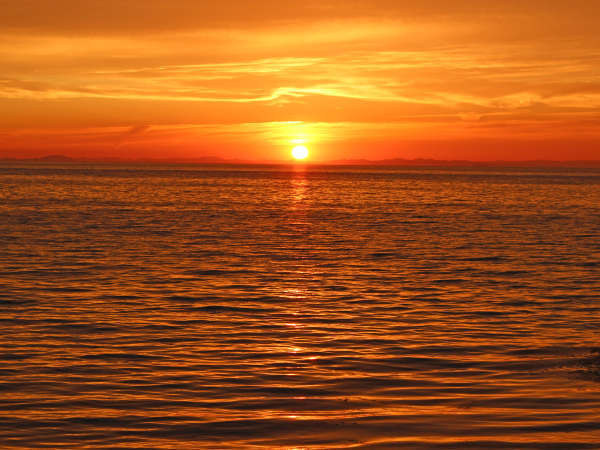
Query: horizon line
x,y
215,160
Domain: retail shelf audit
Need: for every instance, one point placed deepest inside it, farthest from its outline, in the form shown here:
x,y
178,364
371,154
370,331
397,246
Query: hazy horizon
x,y
391,161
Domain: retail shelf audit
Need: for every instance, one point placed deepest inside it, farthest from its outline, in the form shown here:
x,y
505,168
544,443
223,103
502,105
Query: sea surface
x,y
252,307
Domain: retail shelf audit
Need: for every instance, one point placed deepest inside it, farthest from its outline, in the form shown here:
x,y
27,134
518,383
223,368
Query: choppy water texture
x,y
273,307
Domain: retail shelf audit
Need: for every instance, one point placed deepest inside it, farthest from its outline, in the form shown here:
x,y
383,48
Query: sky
x,y
377,79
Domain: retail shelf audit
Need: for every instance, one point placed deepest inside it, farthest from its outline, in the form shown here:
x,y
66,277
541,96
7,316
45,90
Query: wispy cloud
x,y
408,69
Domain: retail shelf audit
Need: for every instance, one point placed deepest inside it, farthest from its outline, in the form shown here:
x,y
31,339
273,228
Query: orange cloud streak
x,y
390,80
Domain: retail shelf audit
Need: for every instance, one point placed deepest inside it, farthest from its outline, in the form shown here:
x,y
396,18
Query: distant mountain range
x,y
463,162
48,158
341,162
68,159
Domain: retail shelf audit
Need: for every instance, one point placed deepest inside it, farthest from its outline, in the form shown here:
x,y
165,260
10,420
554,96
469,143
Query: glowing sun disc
x,y
299,152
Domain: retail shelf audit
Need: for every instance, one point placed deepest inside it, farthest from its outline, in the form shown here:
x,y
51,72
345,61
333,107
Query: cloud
x,y
436,68
93,17
446,79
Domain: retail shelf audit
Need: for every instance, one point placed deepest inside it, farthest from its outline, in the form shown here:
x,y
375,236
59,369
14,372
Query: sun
x,y
299,152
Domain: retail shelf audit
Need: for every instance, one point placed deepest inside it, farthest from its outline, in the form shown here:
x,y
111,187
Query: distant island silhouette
x,y
394,162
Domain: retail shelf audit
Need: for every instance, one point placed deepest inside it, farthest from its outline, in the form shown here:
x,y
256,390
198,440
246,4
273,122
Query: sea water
x,y
299,307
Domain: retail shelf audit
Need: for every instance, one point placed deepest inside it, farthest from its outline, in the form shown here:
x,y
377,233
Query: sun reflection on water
x,y
299,190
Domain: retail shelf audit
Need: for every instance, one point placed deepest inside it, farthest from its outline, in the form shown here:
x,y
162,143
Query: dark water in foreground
x,y
272,307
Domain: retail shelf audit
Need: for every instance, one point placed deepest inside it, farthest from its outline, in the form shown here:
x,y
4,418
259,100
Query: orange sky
x,y
349,79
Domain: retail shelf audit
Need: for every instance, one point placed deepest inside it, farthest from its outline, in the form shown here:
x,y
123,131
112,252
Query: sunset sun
x,y
299,152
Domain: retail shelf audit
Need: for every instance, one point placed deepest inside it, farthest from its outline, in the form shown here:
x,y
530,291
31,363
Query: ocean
x,y
306,307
